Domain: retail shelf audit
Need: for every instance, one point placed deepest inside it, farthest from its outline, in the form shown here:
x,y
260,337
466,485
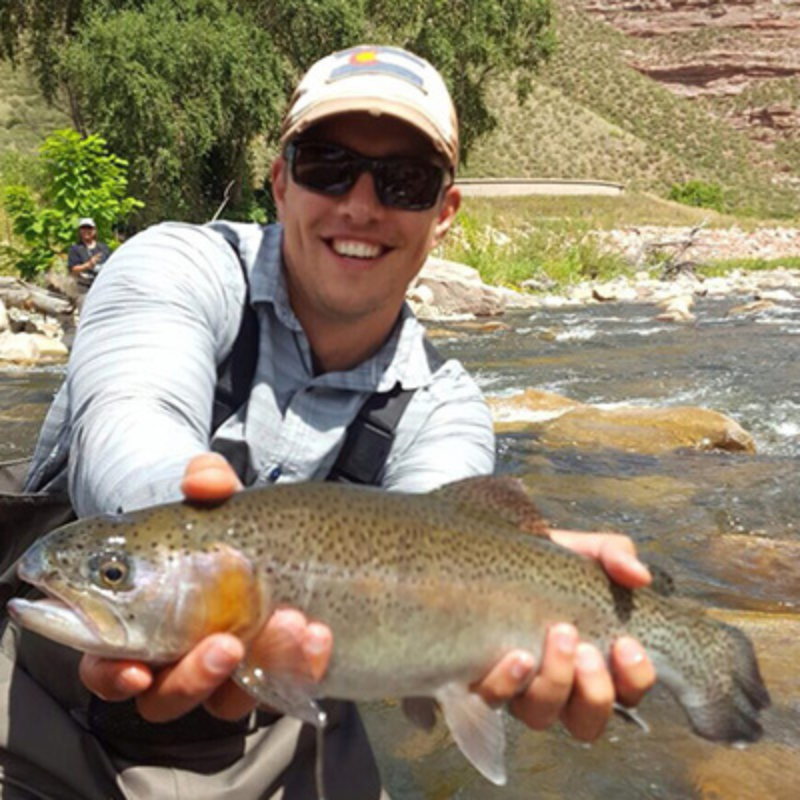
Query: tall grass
x,y
551,240
560,251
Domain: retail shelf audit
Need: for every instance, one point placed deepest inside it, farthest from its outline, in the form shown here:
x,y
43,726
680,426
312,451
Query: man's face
x,y
350,258
86,233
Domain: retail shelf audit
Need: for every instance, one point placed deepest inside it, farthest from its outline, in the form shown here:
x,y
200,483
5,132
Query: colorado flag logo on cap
x,y
380,61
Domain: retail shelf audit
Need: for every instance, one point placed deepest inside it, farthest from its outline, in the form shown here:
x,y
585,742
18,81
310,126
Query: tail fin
x,y
723,697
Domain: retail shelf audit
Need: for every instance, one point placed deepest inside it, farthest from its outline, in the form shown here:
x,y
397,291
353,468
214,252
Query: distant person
x,y
87,256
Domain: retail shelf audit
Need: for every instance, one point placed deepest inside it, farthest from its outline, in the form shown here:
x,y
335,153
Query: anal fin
x,y
477,730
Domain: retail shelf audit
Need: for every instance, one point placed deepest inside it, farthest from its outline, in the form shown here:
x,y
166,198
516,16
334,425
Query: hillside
x,y
595,112
25,119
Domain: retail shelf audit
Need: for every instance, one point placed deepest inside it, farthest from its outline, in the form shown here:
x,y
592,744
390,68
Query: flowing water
x,y
725,525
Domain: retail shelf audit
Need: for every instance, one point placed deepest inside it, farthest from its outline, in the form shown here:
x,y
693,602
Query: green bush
x,y
699,194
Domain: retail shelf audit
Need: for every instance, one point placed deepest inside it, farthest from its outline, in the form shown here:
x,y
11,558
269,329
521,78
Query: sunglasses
x,y
405,183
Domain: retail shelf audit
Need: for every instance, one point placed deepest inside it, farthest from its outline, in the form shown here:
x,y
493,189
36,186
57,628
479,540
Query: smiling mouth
x,y
355,249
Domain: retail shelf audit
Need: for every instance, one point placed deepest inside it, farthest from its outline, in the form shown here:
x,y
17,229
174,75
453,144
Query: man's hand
x,y
574,684
203,675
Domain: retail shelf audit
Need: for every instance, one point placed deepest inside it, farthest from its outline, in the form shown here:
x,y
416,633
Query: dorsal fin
x,y
493,497
663,583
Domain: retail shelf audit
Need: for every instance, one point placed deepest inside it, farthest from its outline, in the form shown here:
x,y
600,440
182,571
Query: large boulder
x,y
18,348
30,348
561,422
446,289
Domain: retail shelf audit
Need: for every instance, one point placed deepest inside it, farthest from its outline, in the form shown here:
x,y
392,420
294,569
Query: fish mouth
x,y
71,617
56,620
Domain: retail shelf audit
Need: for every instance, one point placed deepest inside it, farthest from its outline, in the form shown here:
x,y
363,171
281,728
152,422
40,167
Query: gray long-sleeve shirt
x,y
136,404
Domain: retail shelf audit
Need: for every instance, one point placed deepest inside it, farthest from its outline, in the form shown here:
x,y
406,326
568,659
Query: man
x,y
364,190
86,257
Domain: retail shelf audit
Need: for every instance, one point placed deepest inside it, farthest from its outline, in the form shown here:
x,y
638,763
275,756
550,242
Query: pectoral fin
x,y
282,693
477,729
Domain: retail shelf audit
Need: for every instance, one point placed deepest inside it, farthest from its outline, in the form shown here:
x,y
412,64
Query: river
x,y
725,525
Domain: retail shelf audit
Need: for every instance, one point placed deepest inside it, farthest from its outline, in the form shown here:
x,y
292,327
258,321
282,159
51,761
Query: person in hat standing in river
x,y
364,186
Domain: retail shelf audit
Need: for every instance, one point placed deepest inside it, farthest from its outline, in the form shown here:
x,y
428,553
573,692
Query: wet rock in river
x,y
756,566
676,309
756,307
560,422
769,768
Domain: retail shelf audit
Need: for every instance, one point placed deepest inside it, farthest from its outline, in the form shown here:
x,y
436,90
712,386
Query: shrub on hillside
x,y
699,194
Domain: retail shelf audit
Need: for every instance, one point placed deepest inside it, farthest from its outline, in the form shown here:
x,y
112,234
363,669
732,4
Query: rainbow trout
x,y
423,593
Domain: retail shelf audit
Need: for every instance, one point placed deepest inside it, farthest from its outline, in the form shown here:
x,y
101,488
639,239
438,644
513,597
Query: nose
x,y
361,203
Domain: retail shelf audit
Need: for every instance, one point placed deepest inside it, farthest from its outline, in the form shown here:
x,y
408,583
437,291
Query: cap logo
x,y
379,61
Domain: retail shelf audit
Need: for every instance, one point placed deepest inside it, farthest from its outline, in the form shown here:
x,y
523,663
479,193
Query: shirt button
x,y
276,473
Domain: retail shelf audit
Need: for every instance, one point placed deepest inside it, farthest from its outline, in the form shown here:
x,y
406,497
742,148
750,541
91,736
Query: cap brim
x,y
377,107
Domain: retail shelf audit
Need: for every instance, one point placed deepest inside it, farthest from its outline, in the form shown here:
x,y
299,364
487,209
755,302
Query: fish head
x,y
116,587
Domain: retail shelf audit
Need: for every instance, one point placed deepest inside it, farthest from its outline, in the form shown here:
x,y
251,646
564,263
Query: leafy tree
x,y
181,88
78,178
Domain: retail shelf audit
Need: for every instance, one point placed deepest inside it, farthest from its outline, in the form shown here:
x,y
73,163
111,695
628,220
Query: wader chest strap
x,y
366,448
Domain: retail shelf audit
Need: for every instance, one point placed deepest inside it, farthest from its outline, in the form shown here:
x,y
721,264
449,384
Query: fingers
x,y
288,645
592,700
177,689
542,703
634,673
114,680
615,552
510,676
573,685
291,645
209,478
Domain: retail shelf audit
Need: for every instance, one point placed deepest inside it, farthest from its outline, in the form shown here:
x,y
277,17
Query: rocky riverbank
x,y
34,321
447,290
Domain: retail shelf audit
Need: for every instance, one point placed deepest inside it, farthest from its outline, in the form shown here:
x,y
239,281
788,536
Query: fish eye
x,y
111,570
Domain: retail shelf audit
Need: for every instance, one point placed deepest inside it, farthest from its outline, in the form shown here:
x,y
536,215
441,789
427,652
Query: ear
x,y
451,202
278,175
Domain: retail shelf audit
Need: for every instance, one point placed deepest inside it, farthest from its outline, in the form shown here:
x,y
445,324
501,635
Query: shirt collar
x,y
402,358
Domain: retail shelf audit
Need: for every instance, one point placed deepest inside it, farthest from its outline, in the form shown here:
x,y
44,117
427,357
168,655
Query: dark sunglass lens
x,y
325,168
409,184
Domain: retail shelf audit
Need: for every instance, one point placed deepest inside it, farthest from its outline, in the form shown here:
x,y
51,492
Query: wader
x,y
60,742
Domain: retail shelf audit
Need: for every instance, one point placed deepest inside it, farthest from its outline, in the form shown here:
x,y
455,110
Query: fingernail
x,y
316,646
633,564
315,643
588,659
221,658
566,639
522,667
629,652
128,680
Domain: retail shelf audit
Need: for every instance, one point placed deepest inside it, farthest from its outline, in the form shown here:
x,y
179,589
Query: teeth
x,y
356,249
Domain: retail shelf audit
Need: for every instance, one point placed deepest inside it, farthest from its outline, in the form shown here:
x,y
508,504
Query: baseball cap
x,y
379,80
86,222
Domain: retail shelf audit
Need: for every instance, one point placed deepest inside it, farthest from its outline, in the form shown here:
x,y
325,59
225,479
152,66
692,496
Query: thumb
x,y
209,478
